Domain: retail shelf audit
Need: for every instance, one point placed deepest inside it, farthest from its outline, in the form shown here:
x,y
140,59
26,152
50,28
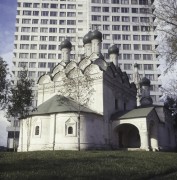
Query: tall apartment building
x,y
41,25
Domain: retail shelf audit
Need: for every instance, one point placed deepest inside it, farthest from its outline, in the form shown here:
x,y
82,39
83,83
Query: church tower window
x,y
70,130
37,130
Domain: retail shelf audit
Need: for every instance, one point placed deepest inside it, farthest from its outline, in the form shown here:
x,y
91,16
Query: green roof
x,y
59,104
135,113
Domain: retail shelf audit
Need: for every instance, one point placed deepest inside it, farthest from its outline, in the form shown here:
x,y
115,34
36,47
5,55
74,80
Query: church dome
x,y
136,65
87,38
66,44
113,50
96,35
145,82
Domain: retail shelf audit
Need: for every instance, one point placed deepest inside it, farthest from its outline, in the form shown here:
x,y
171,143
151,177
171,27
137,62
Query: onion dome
x,y
65,44
96,35
135,65
145,82
87,38
113,50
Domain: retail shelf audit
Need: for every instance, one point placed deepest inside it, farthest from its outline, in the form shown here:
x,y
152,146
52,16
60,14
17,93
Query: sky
x,y
7,29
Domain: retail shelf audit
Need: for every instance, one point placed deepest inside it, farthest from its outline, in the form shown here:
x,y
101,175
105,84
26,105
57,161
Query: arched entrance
x,y
128,136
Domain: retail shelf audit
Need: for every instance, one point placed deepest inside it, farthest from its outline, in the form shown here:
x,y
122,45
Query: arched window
x,y
37,130
70,130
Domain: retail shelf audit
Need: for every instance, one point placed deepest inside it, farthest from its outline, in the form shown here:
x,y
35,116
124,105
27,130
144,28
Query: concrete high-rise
x,y
41,25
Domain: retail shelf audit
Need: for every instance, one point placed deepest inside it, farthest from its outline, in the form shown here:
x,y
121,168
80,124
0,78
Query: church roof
x,y
60,104
135,113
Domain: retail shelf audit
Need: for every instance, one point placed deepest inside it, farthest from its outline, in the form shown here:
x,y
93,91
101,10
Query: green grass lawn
x,y
88,165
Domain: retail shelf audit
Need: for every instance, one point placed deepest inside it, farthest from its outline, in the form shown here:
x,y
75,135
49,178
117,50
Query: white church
x,y
88,103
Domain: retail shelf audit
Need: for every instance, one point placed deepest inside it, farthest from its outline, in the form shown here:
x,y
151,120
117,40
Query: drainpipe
x,y
54,132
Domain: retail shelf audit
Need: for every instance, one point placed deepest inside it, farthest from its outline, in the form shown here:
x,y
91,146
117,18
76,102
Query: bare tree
x,y
78,87
166,16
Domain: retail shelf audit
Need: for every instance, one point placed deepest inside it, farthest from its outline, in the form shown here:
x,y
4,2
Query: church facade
x,y
89,103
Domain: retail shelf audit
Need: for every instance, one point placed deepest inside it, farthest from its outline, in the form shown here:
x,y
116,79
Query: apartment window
x,y
54,6
23,55
136,37
36,5
32,74
62,6
115,1
147,56
148,66
44,13
52,21
24,46
150,76
137,56
52,30
42,55
25,29
124,1
27,13
115,9
145,28
51,65
105,9
22,64
96,1
52,47
33,56
145,37
135,19
45,5
34,29
125,19
134,10
42,46
43,38
35,21
106,36
62,22
44,21
71,22
40,73
144,10
61,30
143,2
24,37
35,13
53,13
145,19
26,21
146,47
116,37
71,14
29,5
136,46
33,46
51,56
135,28
105,18
71,30
125,28
80,13
62,14
127,56
96,9
80,21
126,46
106,27
126,37
134,1
96,18
61,38
34,38
32,64
52,38
106,46
124,10
71,6
127,66
18,4
115,18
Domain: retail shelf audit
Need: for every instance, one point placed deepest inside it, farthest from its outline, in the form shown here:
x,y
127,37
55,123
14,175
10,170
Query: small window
x,y
37,130
70,130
